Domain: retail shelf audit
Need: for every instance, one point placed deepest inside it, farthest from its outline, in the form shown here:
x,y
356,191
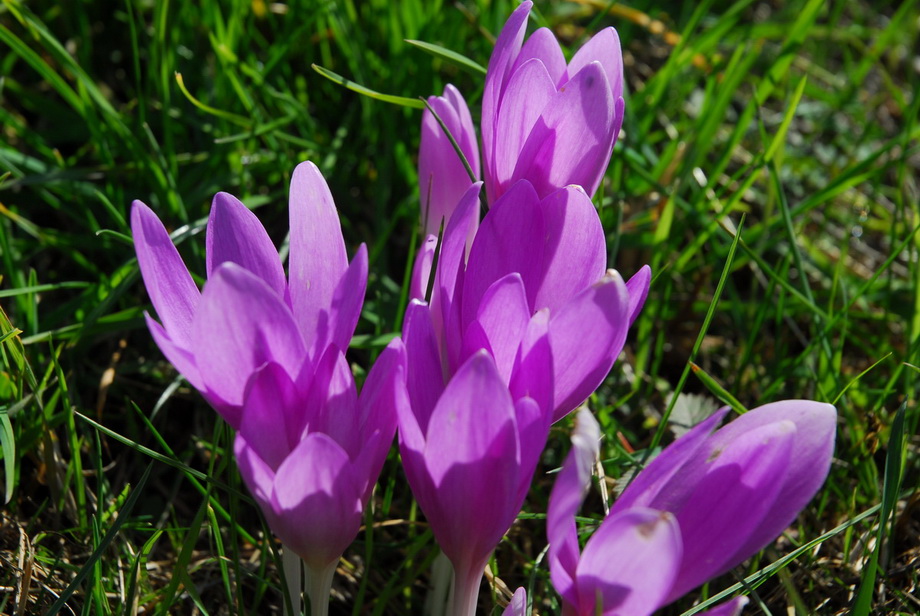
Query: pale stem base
x,y
319,585
464,595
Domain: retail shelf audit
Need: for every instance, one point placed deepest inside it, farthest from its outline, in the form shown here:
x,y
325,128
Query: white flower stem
x,y
319,585
291,563
464,595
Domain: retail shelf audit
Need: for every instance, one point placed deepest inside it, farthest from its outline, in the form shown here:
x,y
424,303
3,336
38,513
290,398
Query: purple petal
x,y
603,47
424,378
638,286
421,269
542,46
269,421
236,235
240,325
172,290
731,608
316,501
532,375
529,91
582,361
347,301
317,260
575,249
569,491
510,239
628,565
518,604
503,316
331,406
473,459
180,358
256,474
506,51
533,428
571,142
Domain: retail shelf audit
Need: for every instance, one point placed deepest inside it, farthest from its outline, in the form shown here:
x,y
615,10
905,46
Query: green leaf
x,y
356,87
449,55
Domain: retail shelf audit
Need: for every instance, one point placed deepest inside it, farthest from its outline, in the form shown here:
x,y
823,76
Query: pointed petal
x,y
731,608
271,406
532,375
172,290
317,501
571,142
529,91
638,584
180,358
256,474
533,428
347,301
569,491
473,458
543,47
518,604
638,286
317,260
503,316
510,239
603,47
331,406
424,378
236,235
240,325
421,269
581,362
575,249
506,51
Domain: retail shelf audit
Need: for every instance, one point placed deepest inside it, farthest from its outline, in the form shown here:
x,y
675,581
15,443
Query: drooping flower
x,y
535,265
469,463
705,504
546,121
442,177
267,353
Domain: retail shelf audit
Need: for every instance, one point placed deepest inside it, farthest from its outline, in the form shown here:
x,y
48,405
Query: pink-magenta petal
x,y
317,260
182,359
316,501
571,142
569,491
268,407
532,375
240,325
638,286
347,301
518,604
730,608
533,428
543,47
172,290
331,406
425,380
603,47
235,234
586,336
575,249
503,316
629,564
421,269
256,474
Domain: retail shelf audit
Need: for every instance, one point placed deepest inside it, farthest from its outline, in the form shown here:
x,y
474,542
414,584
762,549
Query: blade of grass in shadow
x,y
356,87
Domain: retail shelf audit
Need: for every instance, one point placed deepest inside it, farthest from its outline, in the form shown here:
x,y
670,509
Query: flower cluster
x,y
514,321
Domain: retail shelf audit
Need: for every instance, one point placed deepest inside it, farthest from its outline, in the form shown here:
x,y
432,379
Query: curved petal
x,y
467,132
731,608
421,269
638,286
532,375
172,290
581,362
571,142
316,501
503,316
256,474
569,491
317,259
518,604
542,45
182,359
424,378
510,239
347,301
473,459
533,429
506,51
270,407
529,91
603,47
575,249
235,234
240,325
629,564
331,406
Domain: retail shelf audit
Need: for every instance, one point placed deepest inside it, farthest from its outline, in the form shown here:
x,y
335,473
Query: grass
x,y
768,172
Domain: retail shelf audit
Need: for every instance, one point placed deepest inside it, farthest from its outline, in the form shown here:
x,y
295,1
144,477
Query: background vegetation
x,y
768,172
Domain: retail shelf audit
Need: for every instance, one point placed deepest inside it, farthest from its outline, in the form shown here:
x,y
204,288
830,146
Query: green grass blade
x,y
356,87
449,55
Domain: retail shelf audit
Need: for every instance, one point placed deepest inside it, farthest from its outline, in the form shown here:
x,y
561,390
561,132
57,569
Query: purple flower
x,y
442,178
469,463
546,121
705,504
518,604
536,267
267,353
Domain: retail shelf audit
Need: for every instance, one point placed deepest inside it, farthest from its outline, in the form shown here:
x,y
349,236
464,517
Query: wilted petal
x,y
638,286
628,565
172,290
473,459
571,142
235,234
569,491
241,324
316,513
575,249
317,259
587,335
603,47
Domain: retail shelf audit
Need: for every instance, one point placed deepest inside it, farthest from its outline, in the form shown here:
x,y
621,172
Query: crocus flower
x,y
534,265
267,353
518,604
705,504
442,177
546,121
469,463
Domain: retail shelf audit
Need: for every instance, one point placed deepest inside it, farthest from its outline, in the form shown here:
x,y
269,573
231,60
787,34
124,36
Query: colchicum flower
x,y
546,121
705,504
267,353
